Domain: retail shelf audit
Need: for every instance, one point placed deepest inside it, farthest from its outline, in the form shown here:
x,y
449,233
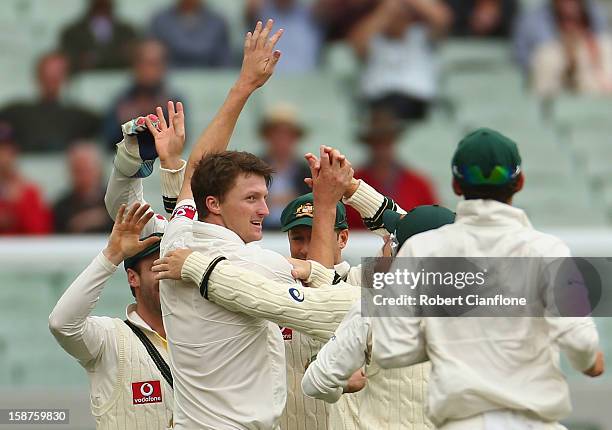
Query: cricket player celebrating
x,y
229,369
303,412
298,219
130,383
488,373
130,380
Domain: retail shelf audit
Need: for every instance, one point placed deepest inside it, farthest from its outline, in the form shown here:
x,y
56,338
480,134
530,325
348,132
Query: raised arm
x,y
133,161
78,334
259,60
331,175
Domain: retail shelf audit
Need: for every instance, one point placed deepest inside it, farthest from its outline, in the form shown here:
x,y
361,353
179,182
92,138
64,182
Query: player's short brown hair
x,y
489,192
216,174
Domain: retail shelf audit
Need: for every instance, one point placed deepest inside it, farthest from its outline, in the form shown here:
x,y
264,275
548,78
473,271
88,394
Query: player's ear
x,y
343,236
520,181
213,205
457,187
133,278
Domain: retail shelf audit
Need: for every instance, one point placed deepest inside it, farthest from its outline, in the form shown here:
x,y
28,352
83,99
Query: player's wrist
x,y
351,189
171,162
243,88
113,255
324,203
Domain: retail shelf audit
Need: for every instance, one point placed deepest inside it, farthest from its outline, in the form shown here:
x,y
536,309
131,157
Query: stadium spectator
x,y
81,209
538,26
339,17
147,91
22,209
98,40
483,18
396,45
301,42
578,59
47,123
281,132
383,172
193,34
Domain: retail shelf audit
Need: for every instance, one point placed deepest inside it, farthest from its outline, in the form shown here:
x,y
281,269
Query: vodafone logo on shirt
x,y
186,211
287,333
146,392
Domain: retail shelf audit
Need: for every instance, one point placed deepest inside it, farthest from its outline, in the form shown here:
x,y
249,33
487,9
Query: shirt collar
x,y
134,318
490,212
208,230
342,268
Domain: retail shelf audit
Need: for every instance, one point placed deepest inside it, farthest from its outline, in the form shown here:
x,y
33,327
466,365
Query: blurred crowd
x,y
559,46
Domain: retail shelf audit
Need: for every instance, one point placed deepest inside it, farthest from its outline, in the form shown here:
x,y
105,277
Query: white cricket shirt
x,y
228,368
485,364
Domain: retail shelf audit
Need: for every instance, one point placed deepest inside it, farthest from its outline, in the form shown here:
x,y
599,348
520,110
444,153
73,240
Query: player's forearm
x,y
122,190
328,375
323,241
313,311
215,138
398,342
68,320
171,184
579,341
371,205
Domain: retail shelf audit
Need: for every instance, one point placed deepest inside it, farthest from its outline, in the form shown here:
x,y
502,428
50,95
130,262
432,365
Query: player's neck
x,y
152,319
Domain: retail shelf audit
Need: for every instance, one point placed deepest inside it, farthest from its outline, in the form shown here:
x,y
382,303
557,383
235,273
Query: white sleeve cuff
x,y
320,276
105,263
366,200
172,180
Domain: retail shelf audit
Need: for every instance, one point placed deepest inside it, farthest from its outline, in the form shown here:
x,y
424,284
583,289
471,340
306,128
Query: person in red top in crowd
x,y
22,209
383,171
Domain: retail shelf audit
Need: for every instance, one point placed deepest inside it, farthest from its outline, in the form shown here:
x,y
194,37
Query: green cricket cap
x,y
486,157
131,262
301,211
418,220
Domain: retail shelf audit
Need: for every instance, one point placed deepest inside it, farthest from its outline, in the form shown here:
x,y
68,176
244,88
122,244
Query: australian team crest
x,y
304,210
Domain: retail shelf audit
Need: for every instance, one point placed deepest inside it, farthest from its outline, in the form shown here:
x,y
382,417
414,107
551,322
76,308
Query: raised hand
x,y
124,240
332,175
169,137
260,57
315,165
171,265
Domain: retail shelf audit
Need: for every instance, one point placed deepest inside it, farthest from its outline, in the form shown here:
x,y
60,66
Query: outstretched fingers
x,y
271,43
162,119
256,33
120,214
263,36
131,213
171,112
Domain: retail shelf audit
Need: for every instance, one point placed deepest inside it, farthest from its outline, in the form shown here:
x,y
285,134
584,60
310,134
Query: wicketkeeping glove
x,y
136,153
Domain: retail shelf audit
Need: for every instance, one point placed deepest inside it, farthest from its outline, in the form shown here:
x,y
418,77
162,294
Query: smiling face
x,y
244,207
